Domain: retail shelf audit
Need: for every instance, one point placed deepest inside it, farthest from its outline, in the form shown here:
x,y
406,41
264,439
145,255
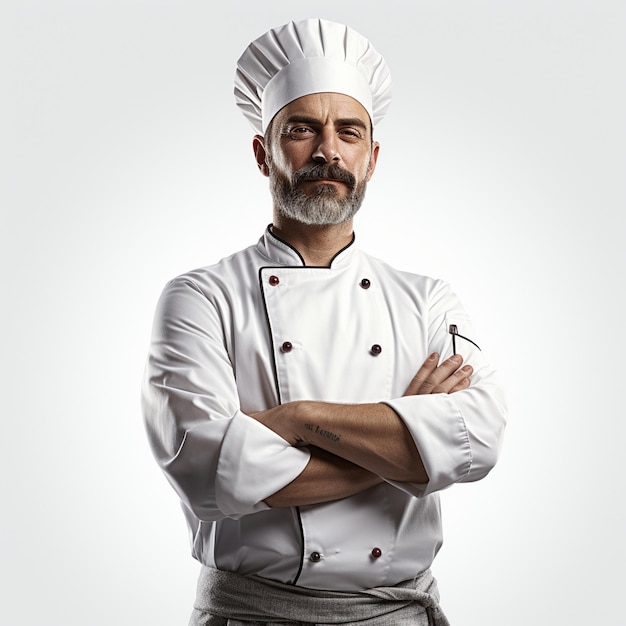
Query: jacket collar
x,y
283,253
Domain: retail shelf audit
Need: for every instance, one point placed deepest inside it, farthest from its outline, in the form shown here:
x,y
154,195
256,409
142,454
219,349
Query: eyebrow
x,y
347,121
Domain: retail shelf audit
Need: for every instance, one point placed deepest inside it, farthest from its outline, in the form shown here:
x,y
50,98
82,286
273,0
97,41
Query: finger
x,y
428,367
435,383
456,381
464,384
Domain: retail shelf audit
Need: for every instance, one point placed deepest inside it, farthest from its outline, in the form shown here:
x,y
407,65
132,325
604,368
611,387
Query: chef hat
x,y
309,56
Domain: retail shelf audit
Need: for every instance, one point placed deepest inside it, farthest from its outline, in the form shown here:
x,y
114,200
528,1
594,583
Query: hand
x,y
445,378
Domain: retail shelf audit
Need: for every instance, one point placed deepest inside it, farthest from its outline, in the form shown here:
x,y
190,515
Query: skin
x,y
353,447
338,131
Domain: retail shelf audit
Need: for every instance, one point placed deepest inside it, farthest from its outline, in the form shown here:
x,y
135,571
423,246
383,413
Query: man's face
x,y
319,158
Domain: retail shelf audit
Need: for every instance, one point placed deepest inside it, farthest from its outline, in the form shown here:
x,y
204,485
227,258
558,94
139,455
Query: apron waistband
x,y
254,599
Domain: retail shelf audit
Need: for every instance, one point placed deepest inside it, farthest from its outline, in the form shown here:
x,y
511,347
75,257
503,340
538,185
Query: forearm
x,y
327,477
371,436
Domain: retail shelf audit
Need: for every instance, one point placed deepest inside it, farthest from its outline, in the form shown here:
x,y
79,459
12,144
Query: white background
x,y
125,162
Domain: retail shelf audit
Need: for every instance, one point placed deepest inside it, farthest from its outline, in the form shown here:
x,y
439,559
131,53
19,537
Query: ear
x,y
260,154
373,160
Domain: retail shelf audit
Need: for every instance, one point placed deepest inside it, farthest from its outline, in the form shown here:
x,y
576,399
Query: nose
x,y
326,150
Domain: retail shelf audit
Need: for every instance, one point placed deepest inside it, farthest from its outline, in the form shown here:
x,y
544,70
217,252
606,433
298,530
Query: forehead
x,y
324,107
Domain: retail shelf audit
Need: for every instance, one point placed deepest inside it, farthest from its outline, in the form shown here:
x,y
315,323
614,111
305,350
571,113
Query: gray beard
x,y
322,208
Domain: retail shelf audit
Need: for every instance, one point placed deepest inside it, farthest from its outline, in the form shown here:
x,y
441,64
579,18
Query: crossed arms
x,y
356,446
228,461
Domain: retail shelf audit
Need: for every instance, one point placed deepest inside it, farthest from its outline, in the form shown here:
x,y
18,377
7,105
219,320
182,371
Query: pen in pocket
x,y
454,331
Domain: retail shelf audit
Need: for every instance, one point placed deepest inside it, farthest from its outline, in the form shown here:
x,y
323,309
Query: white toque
x,y
305,57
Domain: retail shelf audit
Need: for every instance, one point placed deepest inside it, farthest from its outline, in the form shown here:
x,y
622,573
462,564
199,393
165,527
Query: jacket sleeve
x,y
458,435
221,462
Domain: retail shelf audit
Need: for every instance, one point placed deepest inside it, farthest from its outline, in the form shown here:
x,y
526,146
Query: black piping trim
x,y
286,243
342,249
269,328
273,234
299,515
280,401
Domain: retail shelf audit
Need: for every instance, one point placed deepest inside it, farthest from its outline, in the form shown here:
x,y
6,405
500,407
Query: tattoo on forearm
x,y
322,433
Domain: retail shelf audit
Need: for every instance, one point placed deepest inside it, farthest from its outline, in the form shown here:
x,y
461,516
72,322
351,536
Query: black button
x,y
315,557
287,346
274,280
376,349
377,553
365,283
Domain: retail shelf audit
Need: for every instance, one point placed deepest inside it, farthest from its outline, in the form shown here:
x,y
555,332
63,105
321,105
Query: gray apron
x,y
228,599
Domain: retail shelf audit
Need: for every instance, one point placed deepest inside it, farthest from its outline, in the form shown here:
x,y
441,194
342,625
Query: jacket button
x,y
365,283
315,557
376,349
287,346
377,553
274,280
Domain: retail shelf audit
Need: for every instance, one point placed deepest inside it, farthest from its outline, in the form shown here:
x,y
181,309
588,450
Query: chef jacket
x,y
259,329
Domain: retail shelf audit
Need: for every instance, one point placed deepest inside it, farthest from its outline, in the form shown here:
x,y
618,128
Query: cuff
x,y
441,437
254,463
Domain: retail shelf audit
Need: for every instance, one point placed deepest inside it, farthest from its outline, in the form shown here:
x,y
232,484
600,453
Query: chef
x,y
306,400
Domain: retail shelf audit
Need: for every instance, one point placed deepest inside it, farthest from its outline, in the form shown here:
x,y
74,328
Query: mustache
x,y
328,171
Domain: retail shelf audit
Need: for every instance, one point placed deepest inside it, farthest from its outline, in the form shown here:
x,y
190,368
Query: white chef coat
x,y
259,329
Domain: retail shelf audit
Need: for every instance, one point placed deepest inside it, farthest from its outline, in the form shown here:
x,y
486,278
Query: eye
x,y
300,132
351,134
